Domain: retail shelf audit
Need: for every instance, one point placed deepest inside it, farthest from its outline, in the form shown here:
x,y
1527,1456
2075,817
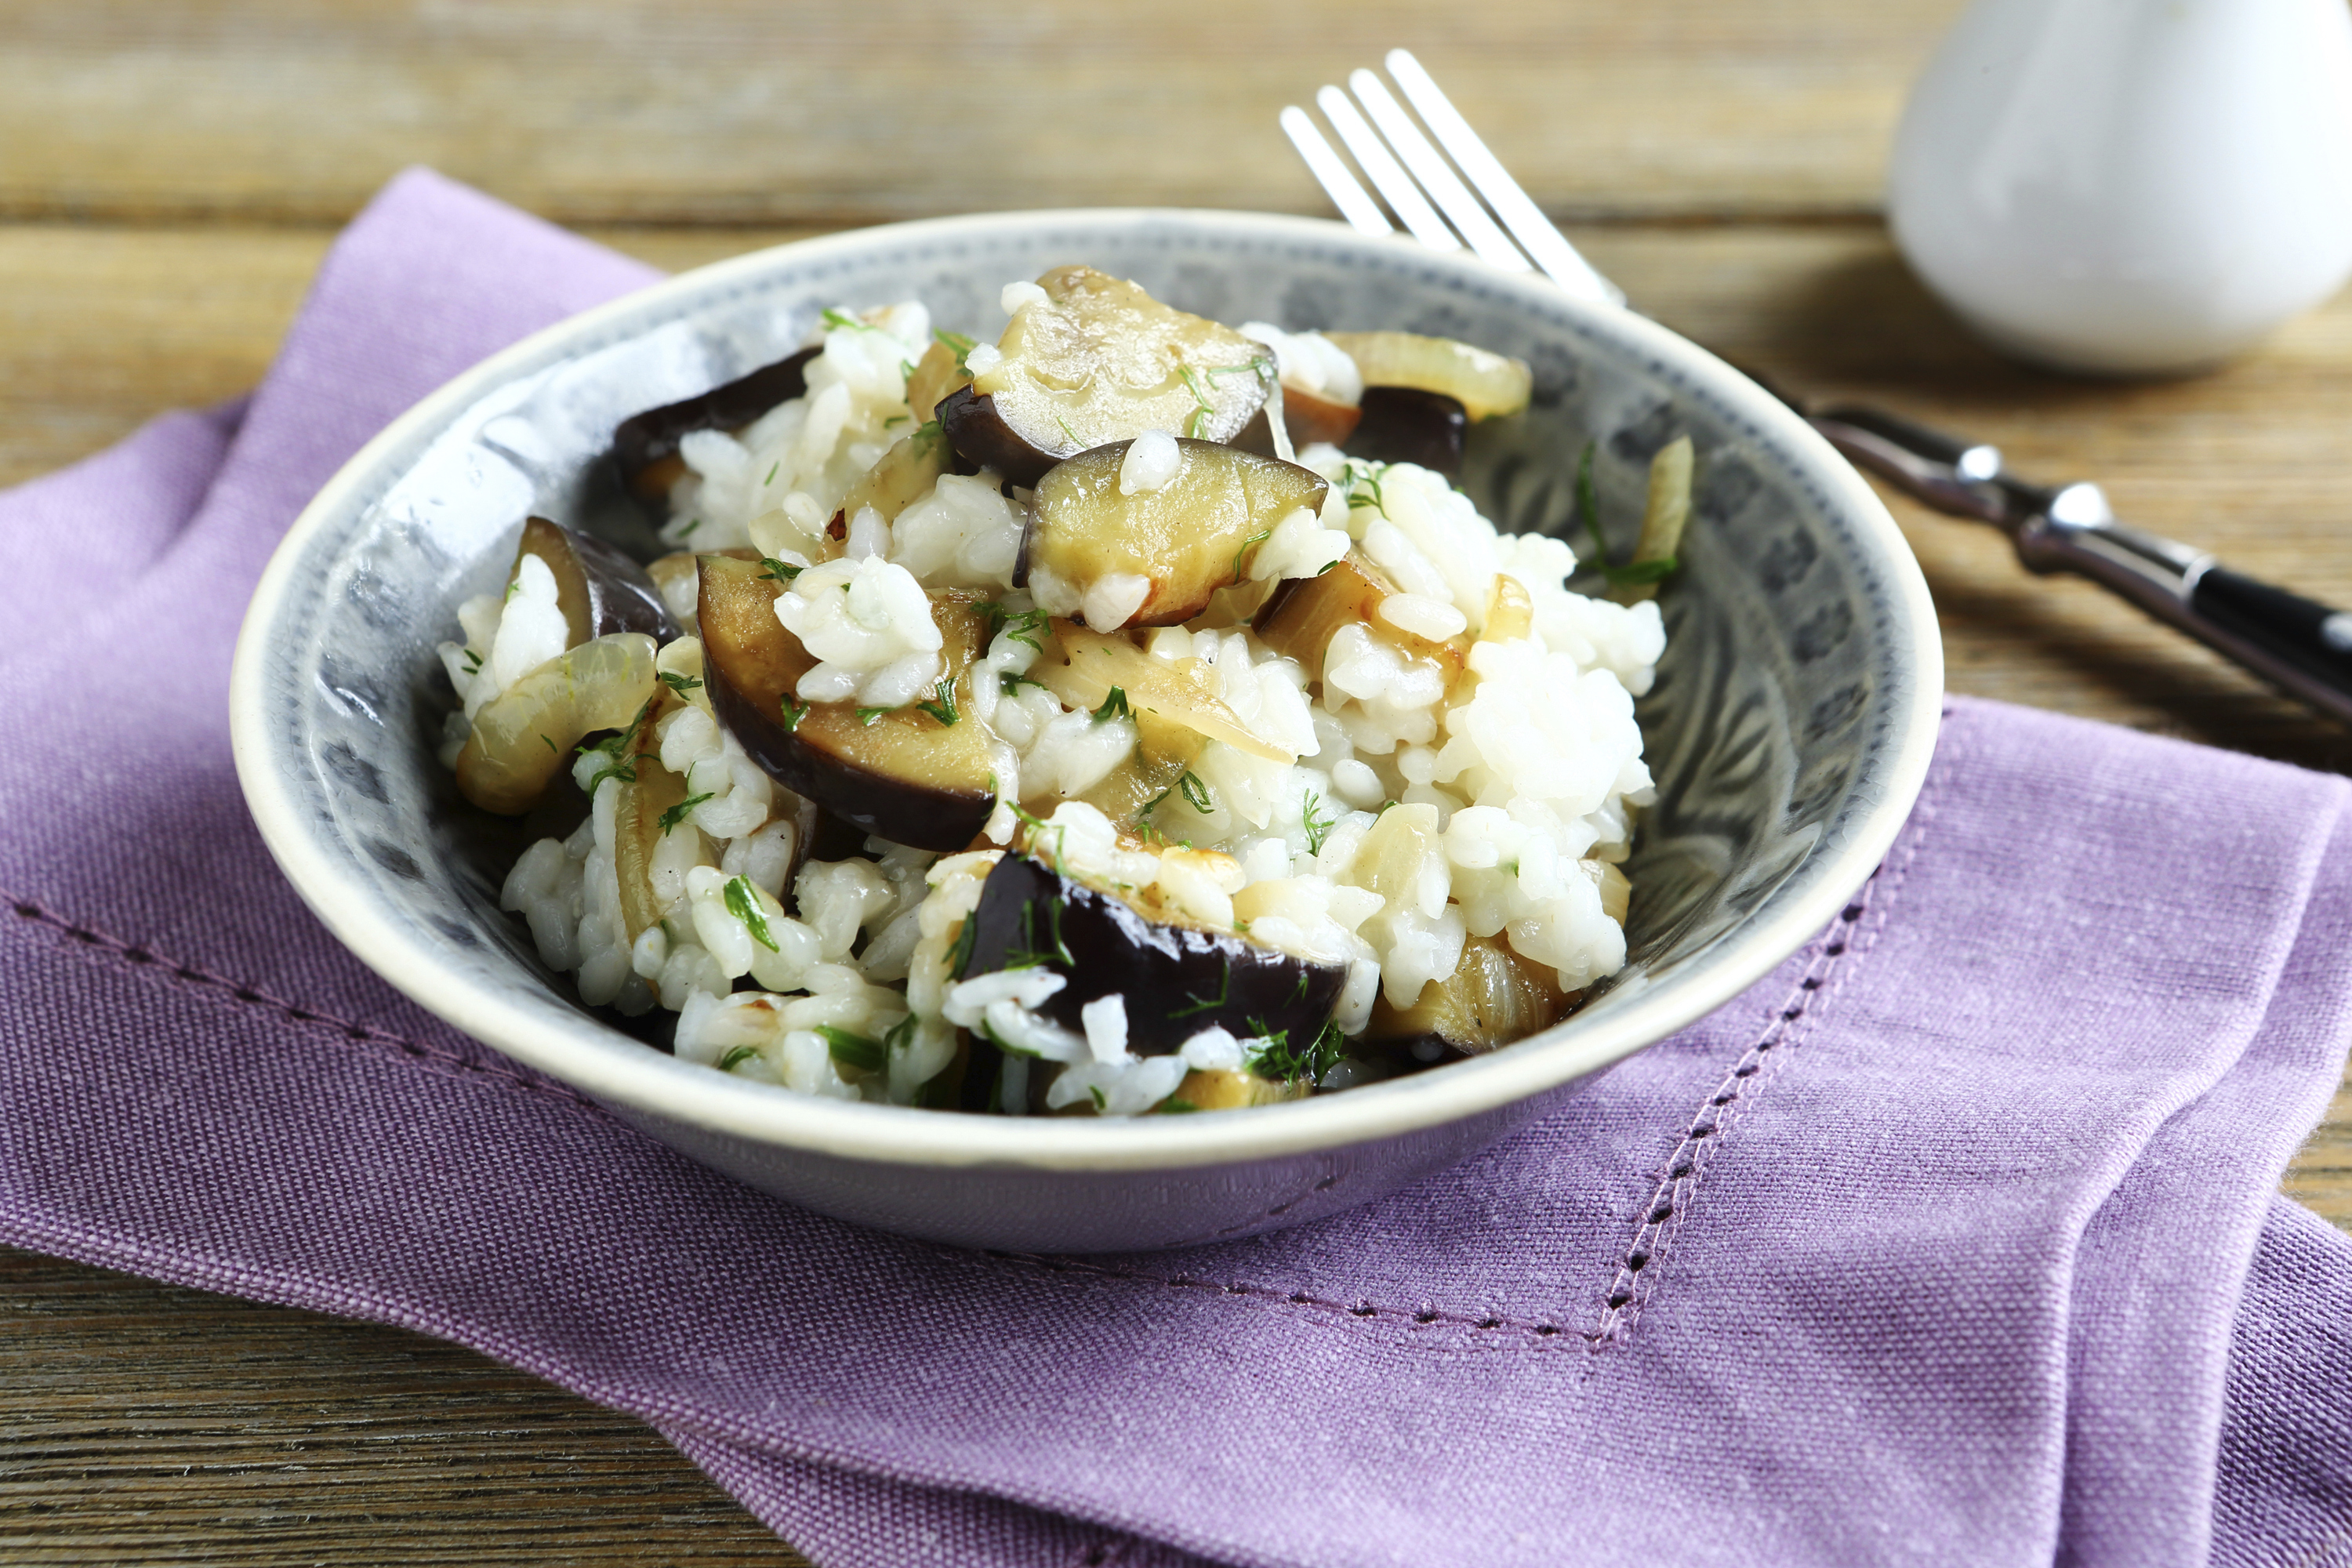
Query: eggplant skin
x,y
1178,980
980,435
645,446
1408,424
603,589
905,776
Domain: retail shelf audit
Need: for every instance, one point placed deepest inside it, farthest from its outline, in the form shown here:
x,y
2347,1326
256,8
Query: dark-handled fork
x,y
2300,645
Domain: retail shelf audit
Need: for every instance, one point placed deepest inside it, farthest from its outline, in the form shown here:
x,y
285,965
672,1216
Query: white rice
x,y
1416,811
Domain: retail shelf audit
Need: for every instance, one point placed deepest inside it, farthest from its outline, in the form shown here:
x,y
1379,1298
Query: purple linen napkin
x,y
1953,1241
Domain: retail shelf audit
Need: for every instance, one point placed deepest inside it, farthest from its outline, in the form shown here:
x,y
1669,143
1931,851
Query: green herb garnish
x,y
1101,1104
473,662
837,319
775,571
961,345
1207,1005
1260,537
678,813
900,418
620,752
944,709
1196,793
793,713
550,745
854,1050
960,959
1192,422
682,684
1033,954
737,1057
1318,828
1171,1105
1038,825
1278,1060
773,469
868,715
1114,706
1023,628
691,524
743,903
1010,684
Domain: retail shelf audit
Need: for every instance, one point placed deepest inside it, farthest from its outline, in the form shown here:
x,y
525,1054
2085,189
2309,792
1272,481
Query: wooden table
x,y
170,176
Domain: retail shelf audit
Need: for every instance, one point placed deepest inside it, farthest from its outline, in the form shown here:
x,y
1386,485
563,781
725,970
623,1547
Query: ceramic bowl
x,y
1788,731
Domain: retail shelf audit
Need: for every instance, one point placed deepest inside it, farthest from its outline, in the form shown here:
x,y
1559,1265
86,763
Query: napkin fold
x,y
1955,1240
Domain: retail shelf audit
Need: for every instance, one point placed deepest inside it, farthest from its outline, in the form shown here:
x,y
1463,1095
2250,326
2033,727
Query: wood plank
x,y
141,1424
806,110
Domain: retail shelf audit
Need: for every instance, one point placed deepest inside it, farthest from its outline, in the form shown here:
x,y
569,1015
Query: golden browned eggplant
x,y
1156,557
1099,360
916,775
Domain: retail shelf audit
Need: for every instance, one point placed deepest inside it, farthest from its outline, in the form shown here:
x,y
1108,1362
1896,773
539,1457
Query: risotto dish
x,y
1127,716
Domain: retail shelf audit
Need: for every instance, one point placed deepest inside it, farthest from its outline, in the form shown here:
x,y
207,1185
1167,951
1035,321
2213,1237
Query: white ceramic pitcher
x,y
2130,186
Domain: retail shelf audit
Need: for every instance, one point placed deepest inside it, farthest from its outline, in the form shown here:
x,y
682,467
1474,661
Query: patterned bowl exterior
x,y
1788,731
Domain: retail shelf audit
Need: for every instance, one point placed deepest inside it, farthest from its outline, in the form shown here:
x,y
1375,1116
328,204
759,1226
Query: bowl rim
x,y
622,1072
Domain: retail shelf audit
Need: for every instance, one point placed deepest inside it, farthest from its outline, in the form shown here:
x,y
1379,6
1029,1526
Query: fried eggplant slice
x,y
906,773
599,589
1177,978
644,446
1097,361
1154,558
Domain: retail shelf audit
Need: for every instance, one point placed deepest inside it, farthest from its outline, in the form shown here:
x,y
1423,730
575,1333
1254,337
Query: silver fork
x,y
2298,644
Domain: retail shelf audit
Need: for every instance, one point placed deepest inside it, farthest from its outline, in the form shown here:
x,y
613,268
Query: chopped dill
x,y
743,903
1207,1004
868,715
837,319
774,571
682,684
1033,954
957,344
793,713
619,752
1173,1106
1194,421
773,469
1196,793
898,418
944,709
960,959
1011,683
1101,1104
550,745
737,1057
1318,828
691,524
678,813
854,1050
1260,537
1114,706
473,662
1278,1060
1588,505
1038,825
1023,628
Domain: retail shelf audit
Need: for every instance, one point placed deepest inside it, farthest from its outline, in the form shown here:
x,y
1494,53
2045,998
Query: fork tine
x,y
1355,203
1435,175
1403,196
1543,240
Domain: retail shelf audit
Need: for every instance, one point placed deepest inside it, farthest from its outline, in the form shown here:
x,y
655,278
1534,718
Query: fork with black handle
x,y
2298,644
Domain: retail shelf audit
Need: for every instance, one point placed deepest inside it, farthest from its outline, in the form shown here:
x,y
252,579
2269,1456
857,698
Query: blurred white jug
x,y
2130,186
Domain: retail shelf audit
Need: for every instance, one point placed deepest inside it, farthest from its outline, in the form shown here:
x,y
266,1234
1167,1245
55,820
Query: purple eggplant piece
x,y
602,589
1178,980
980,435
644,446
1408,424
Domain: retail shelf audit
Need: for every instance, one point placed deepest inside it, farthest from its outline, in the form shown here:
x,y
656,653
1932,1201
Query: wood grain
x,y
809,111
141,1424
170,176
